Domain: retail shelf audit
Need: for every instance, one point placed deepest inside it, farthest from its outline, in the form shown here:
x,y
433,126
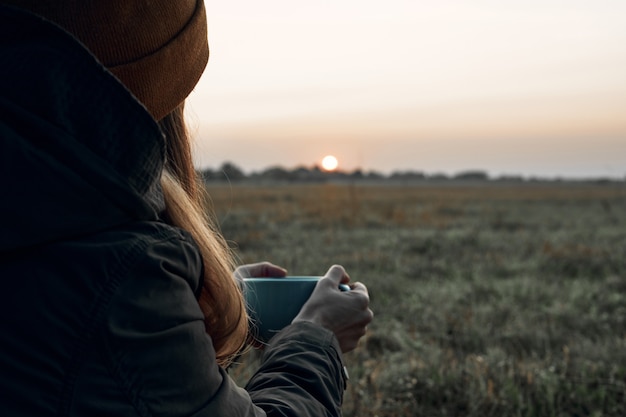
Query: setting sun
x,y
329,163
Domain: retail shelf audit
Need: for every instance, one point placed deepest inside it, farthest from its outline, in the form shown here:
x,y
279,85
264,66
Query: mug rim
x,y
283,279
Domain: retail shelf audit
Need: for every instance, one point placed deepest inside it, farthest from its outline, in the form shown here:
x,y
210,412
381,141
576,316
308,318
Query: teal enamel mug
x,y
272,303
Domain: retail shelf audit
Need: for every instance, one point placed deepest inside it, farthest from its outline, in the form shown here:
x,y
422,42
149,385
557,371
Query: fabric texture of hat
x,y
157,48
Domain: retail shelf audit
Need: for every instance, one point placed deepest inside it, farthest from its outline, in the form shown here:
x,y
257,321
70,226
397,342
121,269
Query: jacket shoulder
x,y
152,332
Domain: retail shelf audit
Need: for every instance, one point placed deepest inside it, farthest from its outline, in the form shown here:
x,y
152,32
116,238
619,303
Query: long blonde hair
x,y
220,299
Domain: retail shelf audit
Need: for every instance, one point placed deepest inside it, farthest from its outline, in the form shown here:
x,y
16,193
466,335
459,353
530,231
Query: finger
x,y
336,274
268,269
262,269
368,316
359,287
360,302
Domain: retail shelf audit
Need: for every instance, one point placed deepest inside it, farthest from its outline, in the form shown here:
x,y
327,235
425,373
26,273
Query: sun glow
x,y
329,163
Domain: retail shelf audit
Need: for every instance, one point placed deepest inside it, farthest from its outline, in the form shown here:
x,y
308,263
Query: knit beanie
x,y
157,48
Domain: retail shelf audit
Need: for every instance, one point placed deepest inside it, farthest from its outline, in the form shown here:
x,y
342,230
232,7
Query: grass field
x,y
490,300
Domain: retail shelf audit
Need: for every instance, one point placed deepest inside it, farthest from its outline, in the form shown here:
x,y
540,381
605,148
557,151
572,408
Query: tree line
x,y
230,172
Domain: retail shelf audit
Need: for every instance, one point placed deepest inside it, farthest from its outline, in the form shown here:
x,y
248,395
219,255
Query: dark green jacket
x,y
98,311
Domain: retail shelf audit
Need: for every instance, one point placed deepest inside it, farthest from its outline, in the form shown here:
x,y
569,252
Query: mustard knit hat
x,y
157,48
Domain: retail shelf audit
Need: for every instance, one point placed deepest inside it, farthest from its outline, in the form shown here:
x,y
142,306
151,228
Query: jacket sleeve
x,y
301,373
155,341
158,351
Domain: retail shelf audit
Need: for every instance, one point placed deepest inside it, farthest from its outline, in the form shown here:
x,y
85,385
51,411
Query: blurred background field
x,y
490,299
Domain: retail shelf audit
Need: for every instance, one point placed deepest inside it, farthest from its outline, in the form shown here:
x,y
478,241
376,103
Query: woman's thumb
x,y
337,275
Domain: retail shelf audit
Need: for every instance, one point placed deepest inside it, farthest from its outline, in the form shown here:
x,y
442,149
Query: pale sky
x,y
533,88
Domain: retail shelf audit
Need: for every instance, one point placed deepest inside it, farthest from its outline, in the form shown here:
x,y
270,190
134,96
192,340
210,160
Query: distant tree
x,y
407,175
208,174
510,178
318,174
231,172
374,175
305,174
472,175
276,173
357,174
438,177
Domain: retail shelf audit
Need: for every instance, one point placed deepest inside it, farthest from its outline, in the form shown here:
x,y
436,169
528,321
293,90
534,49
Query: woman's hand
x,y
345,313
260,269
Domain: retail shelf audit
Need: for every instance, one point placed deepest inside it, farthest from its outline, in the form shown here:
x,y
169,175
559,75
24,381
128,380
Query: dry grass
x,y
503,300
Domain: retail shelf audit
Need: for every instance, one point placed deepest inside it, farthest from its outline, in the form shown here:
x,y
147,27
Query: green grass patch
x,y
489,301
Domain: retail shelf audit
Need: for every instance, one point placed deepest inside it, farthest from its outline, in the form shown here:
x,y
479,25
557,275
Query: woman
x,y
118,296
